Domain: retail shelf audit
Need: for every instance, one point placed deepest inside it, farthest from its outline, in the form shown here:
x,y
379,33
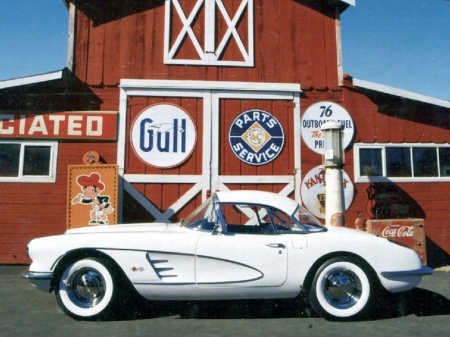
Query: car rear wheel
x,y
87,289
342,289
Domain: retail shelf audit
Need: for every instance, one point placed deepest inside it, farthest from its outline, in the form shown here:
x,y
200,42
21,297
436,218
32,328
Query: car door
x,y
245,253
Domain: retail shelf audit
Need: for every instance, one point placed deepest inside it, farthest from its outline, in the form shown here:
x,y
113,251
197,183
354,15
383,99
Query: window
x,y
260,219
246,219
405,162
22,161
208,42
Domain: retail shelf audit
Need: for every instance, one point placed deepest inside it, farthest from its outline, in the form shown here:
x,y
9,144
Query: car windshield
x,y
202,217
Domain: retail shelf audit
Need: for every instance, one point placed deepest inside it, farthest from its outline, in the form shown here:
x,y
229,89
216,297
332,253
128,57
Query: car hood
x,y
130,228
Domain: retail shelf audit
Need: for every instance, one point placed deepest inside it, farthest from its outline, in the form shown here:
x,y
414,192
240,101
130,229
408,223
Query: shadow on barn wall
x,y
114,10
388,201
408,109
65,94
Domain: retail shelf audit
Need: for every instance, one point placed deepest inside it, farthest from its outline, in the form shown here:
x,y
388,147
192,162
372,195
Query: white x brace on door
x,y
209,51
211,93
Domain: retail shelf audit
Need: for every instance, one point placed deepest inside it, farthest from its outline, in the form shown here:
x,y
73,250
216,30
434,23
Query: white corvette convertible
x,y
236,245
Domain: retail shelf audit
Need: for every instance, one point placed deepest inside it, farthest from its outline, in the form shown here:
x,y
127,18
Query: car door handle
x,y
276,245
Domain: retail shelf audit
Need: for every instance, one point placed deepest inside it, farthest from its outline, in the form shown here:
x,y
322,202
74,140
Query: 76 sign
x,y
322,112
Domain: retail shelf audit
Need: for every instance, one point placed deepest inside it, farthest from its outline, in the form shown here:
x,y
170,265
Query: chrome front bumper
x,y
42,281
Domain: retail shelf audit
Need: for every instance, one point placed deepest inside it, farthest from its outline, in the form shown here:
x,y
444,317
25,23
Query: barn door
x,y
161,190
255,144
247,140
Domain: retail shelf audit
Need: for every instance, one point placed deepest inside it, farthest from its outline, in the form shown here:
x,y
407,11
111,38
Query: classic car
x,y
236,245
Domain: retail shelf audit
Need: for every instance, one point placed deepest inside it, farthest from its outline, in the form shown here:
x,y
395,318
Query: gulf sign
x,y
256,137
100,125
163,135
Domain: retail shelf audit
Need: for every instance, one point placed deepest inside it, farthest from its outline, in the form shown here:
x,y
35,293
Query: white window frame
x,y
381,179
50,178
212,50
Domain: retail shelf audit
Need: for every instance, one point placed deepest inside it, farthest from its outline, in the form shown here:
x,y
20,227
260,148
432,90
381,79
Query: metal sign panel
x,y
92,195
313,191
100,125
320,113
256,137
163,135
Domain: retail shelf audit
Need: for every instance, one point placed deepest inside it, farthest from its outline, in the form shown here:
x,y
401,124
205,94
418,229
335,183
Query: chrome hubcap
x,y
342,289
86,287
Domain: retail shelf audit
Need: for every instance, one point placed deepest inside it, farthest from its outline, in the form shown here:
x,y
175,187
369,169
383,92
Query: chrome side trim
x,y
417,272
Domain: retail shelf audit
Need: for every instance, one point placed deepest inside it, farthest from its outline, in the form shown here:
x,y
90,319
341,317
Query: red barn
x,y
192,96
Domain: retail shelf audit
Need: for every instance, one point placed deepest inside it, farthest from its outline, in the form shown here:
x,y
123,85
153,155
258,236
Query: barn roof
x,y
343,4
403,94
34,79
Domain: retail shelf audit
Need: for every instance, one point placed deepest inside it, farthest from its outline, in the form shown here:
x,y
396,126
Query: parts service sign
x,y
256,137
320,113
163,135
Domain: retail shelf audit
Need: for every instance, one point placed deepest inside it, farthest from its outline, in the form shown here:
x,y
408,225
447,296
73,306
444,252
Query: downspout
x,y
71,34
339,46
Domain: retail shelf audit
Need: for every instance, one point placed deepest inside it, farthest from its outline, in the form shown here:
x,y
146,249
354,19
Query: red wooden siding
x,y
295,42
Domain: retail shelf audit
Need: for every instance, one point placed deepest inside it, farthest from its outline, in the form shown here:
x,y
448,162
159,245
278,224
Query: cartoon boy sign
x,y
91,186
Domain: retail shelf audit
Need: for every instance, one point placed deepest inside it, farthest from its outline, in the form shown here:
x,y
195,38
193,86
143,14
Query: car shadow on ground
x,y
419,302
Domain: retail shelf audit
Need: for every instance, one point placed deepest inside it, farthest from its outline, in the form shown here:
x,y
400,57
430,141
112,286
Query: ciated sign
x,y
59,125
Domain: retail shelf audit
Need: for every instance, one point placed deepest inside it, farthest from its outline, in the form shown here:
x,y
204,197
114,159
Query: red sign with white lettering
x,y
59,125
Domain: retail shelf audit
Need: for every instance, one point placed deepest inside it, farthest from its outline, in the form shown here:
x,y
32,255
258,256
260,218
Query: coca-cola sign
x,y
398,232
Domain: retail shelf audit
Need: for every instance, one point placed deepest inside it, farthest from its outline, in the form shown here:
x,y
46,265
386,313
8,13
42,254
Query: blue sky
x,y
399,43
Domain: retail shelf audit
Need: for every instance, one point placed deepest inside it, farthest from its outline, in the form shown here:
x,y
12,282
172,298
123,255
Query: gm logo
x,y
163,135
256,137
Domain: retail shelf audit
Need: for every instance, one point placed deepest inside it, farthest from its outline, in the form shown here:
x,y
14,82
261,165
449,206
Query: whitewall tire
x,y
86,289
342,289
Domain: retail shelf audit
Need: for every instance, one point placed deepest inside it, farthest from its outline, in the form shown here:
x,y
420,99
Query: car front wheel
x,y
342,289
86,289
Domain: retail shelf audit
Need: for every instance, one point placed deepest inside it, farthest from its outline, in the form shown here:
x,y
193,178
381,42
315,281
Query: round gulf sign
x,y
163,135
313,191
320,113
256,137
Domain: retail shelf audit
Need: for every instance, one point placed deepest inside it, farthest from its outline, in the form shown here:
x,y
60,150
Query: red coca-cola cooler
x,y
409,232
